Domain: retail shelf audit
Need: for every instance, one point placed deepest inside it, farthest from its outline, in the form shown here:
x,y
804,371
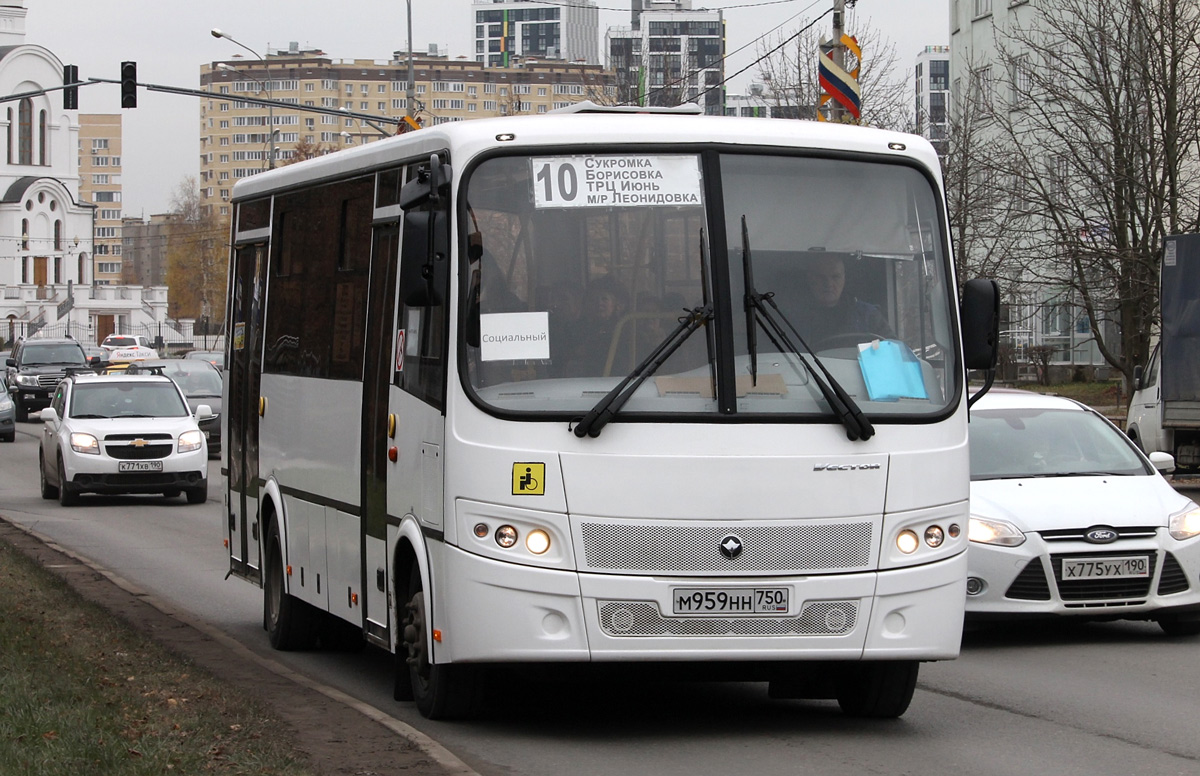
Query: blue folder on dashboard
x,y
891,371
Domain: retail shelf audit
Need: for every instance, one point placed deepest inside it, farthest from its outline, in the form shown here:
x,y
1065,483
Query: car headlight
x,y
27,380
5,400
190,440
1185,524
998,532
85,443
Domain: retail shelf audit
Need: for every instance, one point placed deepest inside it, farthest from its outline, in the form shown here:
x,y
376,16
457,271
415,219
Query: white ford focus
x,y
1069,518
122,434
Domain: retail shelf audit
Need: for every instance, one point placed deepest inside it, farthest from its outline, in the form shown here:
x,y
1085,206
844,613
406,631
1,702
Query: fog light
x,y
975,585
506,536
537,542
481,530
907,542
934,536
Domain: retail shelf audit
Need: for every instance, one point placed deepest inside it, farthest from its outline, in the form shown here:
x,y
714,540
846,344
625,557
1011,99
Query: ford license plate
x,y
730,600
1105,568
139,466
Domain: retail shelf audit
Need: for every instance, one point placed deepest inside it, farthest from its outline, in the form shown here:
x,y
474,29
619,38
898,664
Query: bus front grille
x,y
643,618
665,547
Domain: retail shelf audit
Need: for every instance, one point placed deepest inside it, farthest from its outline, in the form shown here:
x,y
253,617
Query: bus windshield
x,y
814,271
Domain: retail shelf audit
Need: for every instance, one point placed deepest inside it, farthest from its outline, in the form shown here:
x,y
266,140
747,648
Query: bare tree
x,y
787,65
1092,146
197,255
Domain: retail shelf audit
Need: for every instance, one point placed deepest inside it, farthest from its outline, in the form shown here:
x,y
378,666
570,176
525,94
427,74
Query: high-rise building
x,y
234,133
100,185
510,31
933,94
670,55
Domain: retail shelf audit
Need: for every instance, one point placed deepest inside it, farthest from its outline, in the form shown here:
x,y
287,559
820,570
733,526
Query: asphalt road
x,y
1090,700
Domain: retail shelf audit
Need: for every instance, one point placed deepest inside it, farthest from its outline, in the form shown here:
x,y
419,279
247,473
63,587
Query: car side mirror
x,y
10,362
1163,462
50,415
204,412
1137,378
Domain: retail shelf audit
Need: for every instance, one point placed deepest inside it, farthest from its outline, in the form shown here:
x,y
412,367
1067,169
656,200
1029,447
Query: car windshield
x,y
127,399
53,354
120,342
1024,442
196,382
580,266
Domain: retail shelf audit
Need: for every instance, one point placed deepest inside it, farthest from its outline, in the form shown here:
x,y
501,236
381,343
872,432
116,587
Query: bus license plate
x,y
1105,568
139,466
730,600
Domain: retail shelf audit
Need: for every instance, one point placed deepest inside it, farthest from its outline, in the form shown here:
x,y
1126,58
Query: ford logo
x,y
1100,535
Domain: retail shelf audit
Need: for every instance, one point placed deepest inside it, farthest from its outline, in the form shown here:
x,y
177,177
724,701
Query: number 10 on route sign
x,y
614,181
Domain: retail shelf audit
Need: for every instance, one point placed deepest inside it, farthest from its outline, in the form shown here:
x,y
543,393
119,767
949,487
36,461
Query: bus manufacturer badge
x,y
731,546
529,479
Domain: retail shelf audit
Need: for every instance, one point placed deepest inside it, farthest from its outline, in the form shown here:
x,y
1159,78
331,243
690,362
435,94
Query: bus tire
x,y
440,691
291,624
880,690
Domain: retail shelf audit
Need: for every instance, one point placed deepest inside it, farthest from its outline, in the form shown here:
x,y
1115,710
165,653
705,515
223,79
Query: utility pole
x,y
409,94
837,113
840,92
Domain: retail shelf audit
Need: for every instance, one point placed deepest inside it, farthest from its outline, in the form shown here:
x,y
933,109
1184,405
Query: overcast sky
x,y
170,39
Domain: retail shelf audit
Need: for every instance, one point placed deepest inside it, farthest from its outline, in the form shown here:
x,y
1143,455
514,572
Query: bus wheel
x,y
291,623
880,690
441,691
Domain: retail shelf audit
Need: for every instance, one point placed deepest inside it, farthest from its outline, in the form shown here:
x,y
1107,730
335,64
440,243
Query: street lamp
x,y
269,143
270,109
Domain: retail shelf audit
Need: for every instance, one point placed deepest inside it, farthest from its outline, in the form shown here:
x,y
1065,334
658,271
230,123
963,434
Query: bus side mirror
x,y
981,324
1137,378
431,183
425,258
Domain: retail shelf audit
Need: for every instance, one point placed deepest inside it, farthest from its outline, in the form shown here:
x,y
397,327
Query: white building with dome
x,y
46,271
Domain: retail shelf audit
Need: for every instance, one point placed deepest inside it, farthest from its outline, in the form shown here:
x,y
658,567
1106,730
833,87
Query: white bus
x,y
606,388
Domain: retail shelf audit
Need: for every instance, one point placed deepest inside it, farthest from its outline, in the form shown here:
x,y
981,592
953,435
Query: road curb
x,y
444,758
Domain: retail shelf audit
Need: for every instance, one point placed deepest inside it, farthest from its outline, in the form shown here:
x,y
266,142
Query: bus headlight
x,y
934,536
907,542
537,542
506,536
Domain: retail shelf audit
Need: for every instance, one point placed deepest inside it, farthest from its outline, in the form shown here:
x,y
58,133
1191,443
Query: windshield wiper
x,y
607,408
757,313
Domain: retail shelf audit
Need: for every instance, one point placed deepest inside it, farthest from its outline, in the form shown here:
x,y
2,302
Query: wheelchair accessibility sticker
x,y
529,479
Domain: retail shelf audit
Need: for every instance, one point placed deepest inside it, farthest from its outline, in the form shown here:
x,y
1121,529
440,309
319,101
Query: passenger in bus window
x,y
604,305
827,311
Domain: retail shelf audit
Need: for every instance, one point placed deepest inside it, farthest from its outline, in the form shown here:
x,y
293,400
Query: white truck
x,y
1164,412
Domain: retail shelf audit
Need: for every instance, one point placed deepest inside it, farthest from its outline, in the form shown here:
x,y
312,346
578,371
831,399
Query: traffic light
x,y
70,93
129,84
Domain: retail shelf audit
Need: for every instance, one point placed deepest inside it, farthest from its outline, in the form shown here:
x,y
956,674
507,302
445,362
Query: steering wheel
x,y
846,340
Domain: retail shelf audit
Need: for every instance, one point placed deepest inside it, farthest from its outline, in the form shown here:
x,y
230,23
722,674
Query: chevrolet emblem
x,y
139,443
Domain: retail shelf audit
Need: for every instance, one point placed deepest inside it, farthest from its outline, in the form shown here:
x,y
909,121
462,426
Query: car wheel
x,y
441,691
68,495
291,623
9,437
1180,626
880,690
198,495
49,492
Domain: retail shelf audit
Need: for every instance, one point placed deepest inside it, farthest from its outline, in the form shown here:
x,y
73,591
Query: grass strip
x,y
81,692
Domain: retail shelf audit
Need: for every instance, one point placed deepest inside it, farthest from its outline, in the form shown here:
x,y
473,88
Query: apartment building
x,y
669,55
510,31
100,186
234,133
932,85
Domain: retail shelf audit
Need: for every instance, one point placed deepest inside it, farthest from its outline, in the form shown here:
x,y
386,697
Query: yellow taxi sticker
x,y
529,479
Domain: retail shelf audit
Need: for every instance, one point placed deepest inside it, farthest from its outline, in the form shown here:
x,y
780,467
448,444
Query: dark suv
x,y
35,368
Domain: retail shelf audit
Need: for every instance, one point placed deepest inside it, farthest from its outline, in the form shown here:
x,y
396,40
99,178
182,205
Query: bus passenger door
x,y
241,406
377,431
